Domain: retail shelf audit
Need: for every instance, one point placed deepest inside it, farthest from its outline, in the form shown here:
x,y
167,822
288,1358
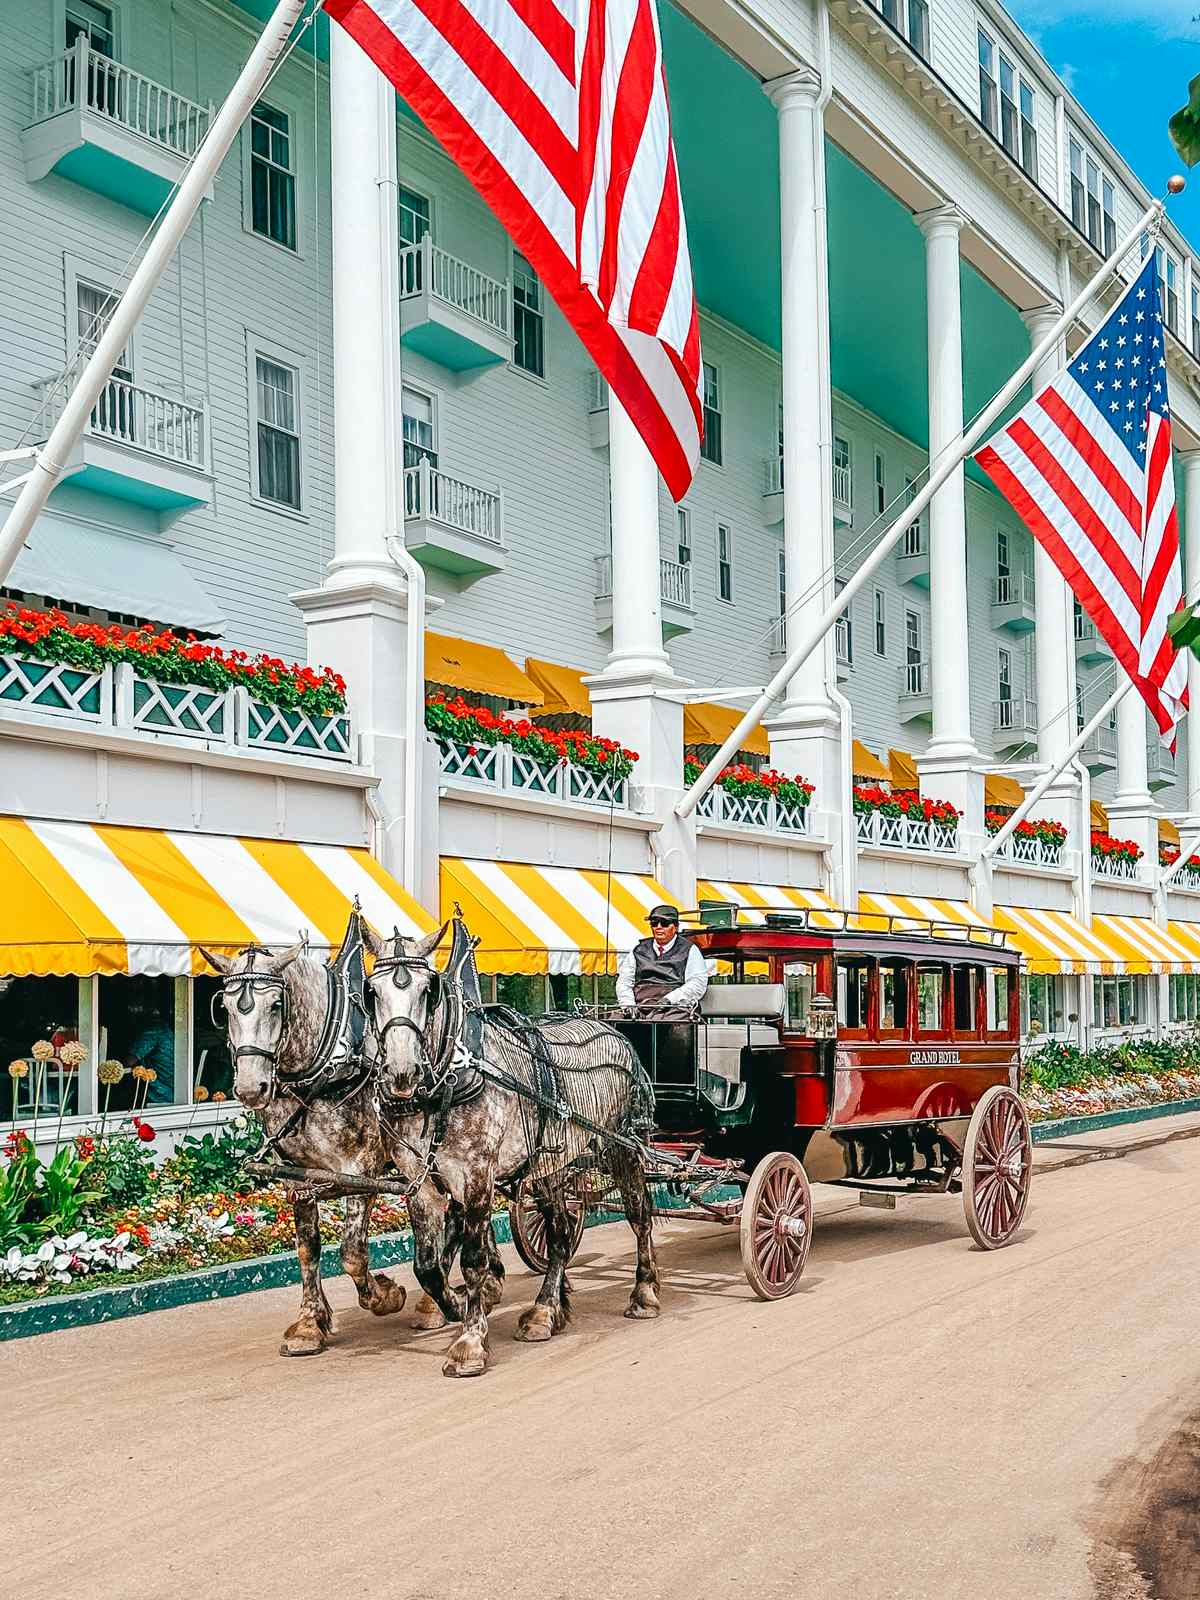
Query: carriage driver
x,y
665,972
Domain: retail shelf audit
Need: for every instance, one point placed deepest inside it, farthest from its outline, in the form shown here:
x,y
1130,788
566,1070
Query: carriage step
x,y
879,1202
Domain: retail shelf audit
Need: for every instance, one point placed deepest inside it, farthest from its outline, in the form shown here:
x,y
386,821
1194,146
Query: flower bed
x,y
169,657
473,726
1058,1080
743,782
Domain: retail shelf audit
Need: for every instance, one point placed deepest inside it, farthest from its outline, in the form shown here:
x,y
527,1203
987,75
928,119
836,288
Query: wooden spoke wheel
x,y
776,1226
529,1227
997,1168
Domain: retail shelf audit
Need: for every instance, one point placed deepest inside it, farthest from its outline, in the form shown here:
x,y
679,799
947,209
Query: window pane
x,y
893,995
931,987
414,216
137,1022
854,989
276,394
278,466
529,349
997,999
966,981
799,978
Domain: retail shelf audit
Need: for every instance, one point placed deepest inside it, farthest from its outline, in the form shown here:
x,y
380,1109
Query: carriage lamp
x,y
821,1022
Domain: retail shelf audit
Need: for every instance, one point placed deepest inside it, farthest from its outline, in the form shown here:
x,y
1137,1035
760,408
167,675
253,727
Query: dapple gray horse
x,y
456,1133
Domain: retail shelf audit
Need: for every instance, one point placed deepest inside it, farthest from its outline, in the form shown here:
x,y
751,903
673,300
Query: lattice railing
x,y
53,687
501,767
1029,852
904,833
1118,867
269,727
762,812
187,710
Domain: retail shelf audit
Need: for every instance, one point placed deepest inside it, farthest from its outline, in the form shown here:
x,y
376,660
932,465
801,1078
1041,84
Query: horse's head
x,y
404,996
257,1001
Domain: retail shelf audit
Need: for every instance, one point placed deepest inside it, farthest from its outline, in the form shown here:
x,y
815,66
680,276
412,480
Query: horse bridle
x,y
442,989
249,983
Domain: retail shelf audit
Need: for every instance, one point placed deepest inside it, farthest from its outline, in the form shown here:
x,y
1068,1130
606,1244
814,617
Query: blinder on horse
x,y
243,987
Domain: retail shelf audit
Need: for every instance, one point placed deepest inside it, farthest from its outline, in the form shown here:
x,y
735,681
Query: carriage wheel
x,y
529,1228
776,1226
997,1168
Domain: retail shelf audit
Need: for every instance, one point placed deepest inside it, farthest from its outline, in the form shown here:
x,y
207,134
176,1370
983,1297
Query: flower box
x,y
901,819
1115,858
1035,842
456,722
743,797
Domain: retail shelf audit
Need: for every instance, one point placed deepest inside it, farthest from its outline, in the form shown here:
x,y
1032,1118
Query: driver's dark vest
x,y
651,965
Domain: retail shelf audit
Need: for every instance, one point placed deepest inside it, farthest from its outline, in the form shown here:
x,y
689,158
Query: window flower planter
x,y
477,747
1036,843
1115,858
1188,874
900,819
742,797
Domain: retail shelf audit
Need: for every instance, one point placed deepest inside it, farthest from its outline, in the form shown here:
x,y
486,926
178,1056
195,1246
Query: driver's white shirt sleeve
x,y
695,982
625,971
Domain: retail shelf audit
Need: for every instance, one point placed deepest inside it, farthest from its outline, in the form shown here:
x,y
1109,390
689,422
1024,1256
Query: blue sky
x,y
1129,62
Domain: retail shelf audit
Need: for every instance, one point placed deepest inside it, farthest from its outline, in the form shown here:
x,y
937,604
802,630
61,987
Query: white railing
x,y
674,581
82,76
903,833
597,391
1160,762
842,648
1016,715
843,488
777,638
1013,588
437,496
120,698
127,413
773,475
1103,742
499,766
1085,629
1118,867
914,542
425,267
765,813
915,678
1030,852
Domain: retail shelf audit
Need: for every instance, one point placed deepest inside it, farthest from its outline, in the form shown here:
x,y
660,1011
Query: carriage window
x,y
799,978
997,999
931,989
966,987
853,994
894,979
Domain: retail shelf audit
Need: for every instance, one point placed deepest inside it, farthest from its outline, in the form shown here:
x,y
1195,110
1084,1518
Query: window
x,y
1109,205
912,638
115,411
1080,718
1078,204
724,561
1029,149
1094,231
1168,289
272,178
1195,319
529,319
965,989
799,980
1009,120
1004,675
1185,997
1119,1002
895,978
414,216
1003,570
710,450
912,534
843,631
910,18
931,992
420,428
1043,1005
683,520
996,998
880,484
781,562
277,388
988,106
880,615
94,21
853,996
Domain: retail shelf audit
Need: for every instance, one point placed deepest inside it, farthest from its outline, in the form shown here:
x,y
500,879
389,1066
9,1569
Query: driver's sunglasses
x,y
660,922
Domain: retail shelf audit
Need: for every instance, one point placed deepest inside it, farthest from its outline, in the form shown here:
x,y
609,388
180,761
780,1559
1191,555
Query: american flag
x,y
557,113
1087,465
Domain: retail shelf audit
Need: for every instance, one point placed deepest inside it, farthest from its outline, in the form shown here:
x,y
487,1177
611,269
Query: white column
x,y
1191,570
1132,813
805,734
357,621
951,763
637,642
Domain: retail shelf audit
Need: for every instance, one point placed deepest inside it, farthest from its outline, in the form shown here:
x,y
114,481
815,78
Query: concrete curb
x,y
91,1306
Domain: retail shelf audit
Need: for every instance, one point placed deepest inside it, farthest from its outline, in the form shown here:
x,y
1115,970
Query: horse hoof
x,y
535,1326
428,1315
387,1297
643,1304
302,1344
466,1358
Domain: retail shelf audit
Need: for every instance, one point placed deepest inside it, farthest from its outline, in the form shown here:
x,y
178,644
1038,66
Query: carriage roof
x,y
763,931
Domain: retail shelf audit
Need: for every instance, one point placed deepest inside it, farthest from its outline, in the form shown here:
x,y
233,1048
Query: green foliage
x,y
1183,627
62,1196
1184,126
122,1170
19,1223
1055,1065
214,1163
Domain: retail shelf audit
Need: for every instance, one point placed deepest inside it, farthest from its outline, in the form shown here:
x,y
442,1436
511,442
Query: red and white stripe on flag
x,y
1087,466
565,131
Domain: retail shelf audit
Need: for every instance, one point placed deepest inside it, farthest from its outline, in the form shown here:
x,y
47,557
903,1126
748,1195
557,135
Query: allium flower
x,y
220,1096
200,1094
149,1075
110,1072
73,1054
43,1050
18,1069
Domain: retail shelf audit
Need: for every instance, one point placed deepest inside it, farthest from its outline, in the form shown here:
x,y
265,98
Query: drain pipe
x,y
414,671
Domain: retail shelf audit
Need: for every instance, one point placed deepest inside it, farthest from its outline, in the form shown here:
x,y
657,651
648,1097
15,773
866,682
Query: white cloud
x,y
1171,19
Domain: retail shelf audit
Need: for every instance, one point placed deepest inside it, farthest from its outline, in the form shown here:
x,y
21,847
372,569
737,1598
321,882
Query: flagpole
x,y
948,463
50,461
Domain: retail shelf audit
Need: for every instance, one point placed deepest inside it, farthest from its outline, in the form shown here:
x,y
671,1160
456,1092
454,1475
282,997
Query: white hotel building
x,y
886,204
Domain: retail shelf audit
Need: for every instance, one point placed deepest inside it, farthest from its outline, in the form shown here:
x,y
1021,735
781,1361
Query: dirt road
x,y
921,1420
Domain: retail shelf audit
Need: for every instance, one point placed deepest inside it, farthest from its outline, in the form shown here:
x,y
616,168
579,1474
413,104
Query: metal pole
x,y
1047,778
51,459
950,460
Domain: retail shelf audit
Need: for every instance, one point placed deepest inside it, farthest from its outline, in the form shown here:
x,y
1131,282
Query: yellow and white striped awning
x,y
1057,942
78,898
1142,946
756,899
534,919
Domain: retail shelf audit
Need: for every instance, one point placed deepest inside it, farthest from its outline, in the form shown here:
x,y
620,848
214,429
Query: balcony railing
x,y
1029,852
773,475
763,813
127,413
120,698
843,489
500,767
914,542
843,647
916,678
1015,715
597,390
426,268
436,496
1013,588
1160,763
83,77
1118,867
777,638
1101,743
674,581
903,833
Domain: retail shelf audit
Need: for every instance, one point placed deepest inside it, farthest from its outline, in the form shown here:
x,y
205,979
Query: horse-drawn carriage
x,y
876,1053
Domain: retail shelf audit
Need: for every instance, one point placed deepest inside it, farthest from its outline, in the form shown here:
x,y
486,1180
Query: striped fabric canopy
x,y
81,898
